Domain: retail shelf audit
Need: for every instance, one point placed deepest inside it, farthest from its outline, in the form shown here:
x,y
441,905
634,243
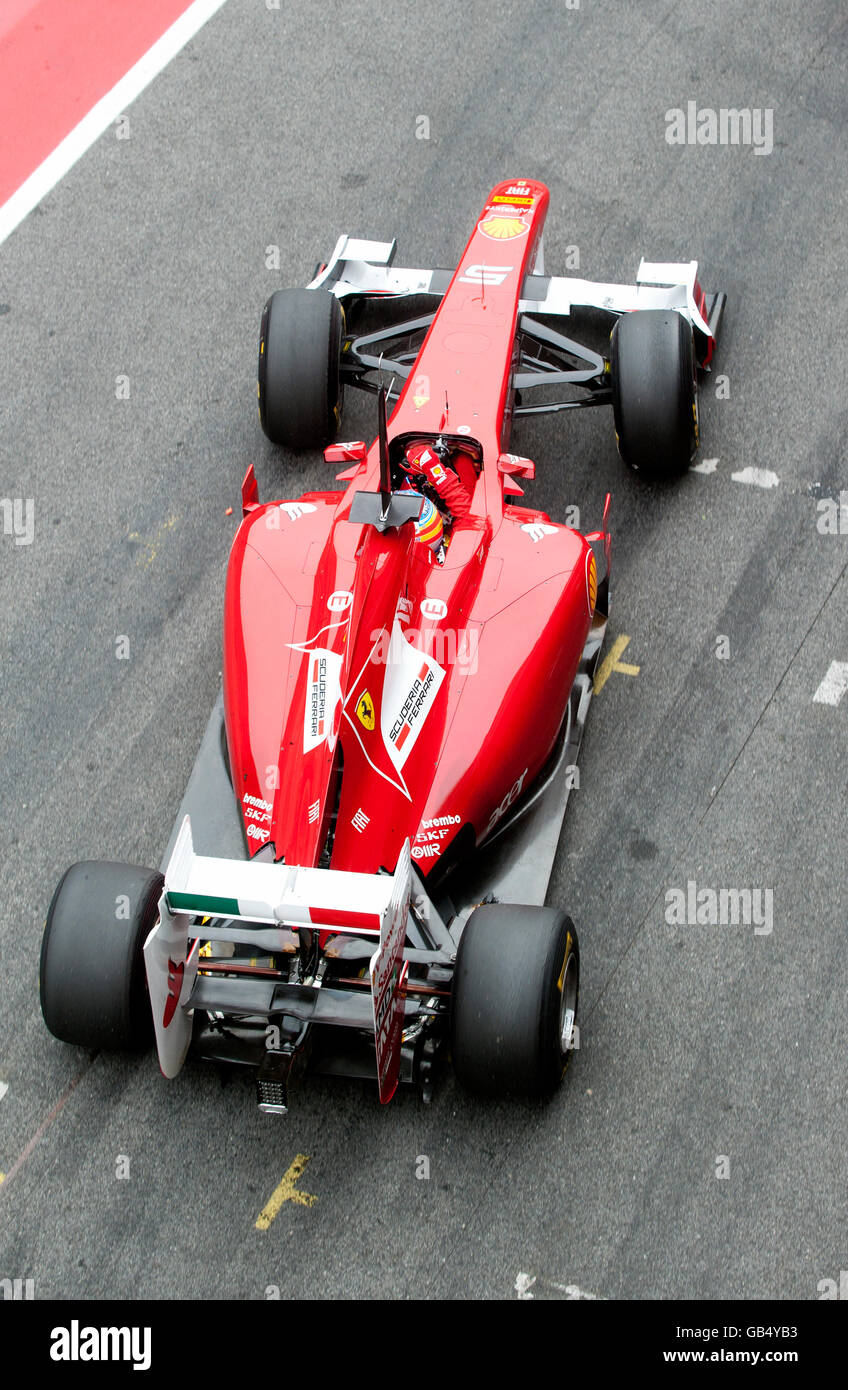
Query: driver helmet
x,y
429,527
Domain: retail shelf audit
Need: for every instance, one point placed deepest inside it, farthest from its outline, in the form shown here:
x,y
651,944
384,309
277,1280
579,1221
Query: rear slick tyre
x,y
514,1006
93,985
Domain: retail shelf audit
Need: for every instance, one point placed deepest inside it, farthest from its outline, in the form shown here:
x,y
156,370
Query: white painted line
x,y
107,110
705,466
525,1283
756,477
834,685
4,1086
572,1291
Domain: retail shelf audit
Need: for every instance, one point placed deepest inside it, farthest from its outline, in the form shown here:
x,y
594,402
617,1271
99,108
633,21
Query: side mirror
x,y
514,466
354,452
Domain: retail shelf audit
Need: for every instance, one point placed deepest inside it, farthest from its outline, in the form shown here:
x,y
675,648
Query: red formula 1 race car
x,y
358,871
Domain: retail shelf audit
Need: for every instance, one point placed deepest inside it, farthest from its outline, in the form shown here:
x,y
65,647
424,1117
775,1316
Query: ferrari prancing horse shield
x,y
365,710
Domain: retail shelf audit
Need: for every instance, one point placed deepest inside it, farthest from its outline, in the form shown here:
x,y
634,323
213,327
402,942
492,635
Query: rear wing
x,y
274,894
260,903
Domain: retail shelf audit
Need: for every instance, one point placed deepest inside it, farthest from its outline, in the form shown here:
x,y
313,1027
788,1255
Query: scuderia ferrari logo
x,y
423,688
365,710
322,695
406,681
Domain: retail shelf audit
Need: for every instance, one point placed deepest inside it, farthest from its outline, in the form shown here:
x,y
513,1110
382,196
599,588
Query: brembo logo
x,y
440,820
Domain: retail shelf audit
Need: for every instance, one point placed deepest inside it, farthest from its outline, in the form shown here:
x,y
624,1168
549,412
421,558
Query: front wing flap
x,y
365,268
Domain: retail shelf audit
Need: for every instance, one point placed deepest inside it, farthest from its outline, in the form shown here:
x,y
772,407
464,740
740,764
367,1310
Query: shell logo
x,y
591,582
503,223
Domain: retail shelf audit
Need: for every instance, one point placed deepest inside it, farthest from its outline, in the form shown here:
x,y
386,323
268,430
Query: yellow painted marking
x,y
150,548
612,663
2,1177
286,1192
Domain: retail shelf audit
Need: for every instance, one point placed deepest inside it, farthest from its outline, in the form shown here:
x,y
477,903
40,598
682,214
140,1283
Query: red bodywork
x,y
466,711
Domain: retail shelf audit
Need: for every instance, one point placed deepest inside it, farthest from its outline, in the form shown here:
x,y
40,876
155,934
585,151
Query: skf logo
x,y
339,600
365,711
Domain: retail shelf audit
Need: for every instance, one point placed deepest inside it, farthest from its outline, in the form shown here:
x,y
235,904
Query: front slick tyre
x,y
514,1009
299,386
654,392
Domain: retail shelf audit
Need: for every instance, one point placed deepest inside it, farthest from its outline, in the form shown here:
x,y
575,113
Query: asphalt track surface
x,y
149,260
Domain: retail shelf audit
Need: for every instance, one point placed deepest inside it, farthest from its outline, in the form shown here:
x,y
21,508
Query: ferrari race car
x,y
357,875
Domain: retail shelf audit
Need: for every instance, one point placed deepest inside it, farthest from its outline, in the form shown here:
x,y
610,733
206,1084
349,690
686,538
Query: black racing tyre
x,y
93,984
299,388
514,1004
654,392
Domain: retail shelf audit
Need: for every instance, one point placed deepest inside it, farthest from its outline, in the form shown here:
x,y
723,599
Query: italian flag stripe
x,y
202,902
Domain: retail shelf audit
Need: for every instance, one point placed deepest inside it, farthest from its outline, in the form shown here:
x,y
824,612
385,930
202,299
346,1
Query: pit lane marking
x,y
286,1192
834,685
4,1086
612,663
102,114
151,547
753,477
756,477
548,1288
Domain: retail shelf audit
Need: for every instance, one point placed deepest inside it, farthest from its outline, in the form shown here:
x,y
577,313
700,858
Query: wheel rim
x,y
568,1005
